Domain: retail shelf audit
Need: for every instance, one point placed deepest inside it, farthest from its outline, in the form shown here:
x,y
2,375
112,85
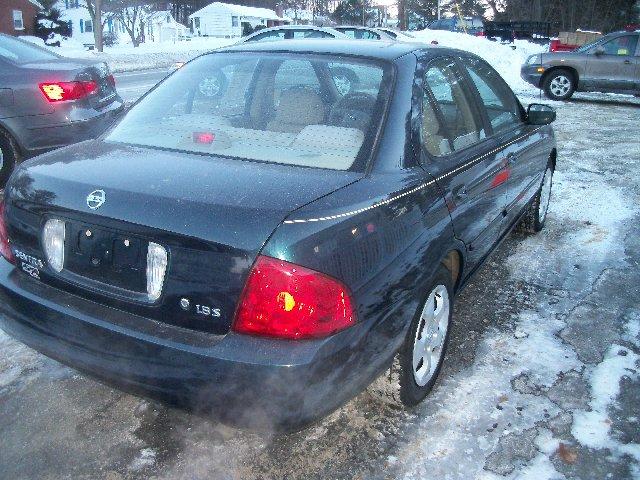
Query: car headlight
x,y
532,59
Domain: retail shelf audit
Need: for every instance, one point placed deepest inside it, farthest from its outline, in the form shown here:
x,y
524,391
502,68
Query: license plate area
x,y
106,257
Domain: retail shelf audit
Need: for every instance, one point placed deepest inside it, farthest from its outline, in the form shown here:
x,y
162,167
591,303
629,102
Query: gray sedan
x,y
292,32
48,101
610,64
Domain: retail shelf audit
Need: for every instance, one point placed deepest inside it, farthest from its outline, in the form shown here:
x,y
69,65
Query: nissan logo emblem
x,y
96,199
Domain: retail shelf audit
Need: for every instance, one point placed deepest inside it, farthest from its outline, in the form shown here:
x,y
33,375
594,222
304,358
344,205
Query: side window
x,y
498,99
310,34
457,125
267,36
625,45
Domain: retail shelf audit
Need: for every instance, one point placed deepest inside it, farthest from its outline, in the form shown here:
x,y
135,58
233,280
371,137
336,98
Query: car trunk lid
x,y
212,214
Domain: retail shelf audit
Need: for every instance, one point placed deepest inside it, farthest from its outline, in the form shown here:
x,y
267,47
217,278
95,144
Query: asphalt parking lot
x,y
541,380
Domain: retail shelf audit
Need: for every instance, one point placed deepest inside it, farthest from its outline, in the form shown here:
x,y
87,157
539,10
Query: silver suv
x,y
610,64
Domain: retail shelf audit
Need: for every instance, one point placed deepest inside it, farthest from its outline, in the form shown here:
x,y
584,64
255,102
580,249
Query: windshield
x,y
18,51
308,110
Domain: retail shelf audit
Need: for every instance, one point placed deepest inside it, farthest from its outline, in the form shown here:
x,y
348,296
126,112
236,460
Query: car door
x,y
522,155
611,65
457,152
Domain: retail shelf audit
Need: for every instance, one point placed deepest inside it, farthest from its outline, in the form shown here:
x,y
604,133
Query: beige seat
x,y
435,143
298,108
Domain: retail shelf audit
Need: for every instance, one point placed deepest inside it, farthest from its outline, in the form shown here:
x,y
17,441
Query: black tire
x,y
8,157
559,84
534,219
398,385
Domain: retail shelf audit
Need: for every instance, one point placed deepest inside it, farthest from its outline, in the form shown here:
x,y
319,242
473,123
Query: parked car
x,y
265,254
292,32
610,64
470,25
48,101
364,33
397,34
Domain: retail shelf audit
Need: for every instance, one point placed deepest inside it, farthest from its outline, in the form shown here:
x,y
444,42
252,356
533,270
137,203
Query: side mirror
x,y
539,114
599,51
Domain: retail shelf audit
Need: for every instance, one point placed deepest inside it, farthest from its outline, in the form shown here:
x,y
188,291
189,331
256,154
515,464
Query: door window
x,y
625,45
498,99
308,33
458,126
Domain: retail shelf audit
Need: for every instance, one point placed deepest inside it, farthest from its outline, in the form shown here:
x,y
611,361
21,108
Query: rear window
x,y
308,110
19,51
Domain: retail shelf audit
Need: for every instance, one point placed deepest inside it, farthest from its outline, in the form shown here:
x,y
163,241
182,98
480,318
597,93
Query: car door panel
x,y
614,68
469,177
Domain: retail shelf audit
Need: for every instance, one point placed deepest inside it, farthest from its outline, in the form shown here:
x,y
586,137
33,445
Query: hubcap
x,y
545,195
560,85
430,335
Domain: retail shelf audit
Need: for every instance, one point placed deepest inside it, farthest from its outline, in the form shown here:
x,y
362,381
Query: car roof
x,y
382,49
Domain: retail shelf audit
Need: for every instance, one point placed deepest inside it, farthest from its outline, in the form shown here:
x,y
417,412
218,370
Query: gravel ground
x,y
541,380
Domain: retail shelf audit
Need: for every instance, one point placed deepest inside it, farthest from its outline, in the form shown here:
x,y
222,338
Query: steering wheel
x,y
354,110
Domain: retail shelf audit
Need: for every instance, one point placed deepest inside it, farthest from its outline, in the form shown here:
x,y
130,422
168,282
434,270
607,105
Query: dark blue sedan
x,y
254,241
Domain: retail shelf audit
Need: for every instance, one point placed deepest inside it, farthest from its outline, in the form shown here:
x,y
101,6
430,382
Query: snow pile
x,y
505,59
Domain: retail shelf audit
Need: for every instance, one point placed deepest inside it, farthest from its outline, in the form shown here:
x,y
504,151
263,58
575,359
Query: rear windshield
x,y
298,109
19,51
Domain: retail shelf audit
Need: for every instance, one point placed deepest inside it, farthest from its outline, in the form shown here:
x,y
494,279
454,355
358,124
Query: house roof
x,y
239,10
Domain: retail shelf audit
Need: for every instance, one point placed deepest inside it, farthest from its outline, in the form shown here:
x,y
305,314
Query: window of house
x,y
234,21
18,24
88,26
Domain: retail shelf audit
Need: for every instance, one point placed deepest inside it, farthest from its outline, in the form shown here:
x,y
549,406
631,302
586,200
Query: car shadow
x,y
606,101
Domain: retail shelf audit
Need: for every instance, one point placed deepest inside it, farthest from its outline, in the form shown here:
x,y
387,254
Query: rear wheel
x,y
8,157
533,221
559,84
416,367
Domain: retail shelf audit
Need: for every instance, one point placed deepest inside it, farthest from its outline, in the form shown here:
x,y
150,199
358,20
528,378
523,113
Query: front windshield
x,y
308,110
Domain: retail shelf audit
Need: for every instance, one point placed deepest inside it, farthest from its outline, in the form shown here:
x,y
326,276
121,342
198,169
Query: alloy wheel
x,y
431,335
560,85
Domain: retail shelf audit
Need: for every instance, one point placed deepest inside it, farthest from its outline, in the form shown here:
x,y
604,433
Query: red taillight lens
x,y
284,300
64,91
5,248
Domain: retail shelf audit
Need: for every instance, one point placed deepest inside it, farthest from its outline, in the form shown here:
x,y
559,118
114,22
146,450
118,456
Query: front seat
x,y
298,108
436,144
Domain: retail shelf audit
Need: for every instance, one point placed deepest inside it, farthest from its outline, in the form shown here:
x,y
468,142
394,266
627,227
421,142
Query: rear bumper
x,y
530,75
244,381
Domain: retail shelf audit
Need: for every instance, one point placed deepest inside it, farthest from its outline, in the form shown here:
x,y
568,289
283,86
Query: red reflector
x,y
203,137
5,248
64,91
284,300
500,178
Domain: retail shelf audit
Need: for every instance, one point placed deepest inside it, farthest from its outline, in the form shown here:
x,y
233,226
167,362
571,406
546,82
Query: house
x,y
18,17
75,13
228,20
162,27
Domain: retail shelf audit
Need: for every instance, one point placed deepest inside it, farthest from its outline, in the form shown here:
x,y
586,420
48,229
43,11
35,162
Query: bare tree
x,y
133,15
95,12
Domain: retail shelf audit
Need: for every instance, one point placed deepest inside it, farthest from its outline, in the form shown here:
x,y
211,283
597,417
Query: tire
x,y
534,219
559,84
408,381
8,157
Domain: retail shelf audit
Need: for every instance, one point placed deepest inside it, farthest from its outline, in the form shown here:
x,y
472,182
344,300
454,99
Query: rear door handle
x,y
627,62
461,192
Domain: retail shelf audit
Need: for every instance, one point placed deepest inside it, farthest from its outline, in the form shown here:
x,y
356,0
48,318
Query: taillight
x,y
284,300
5,247
64,91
